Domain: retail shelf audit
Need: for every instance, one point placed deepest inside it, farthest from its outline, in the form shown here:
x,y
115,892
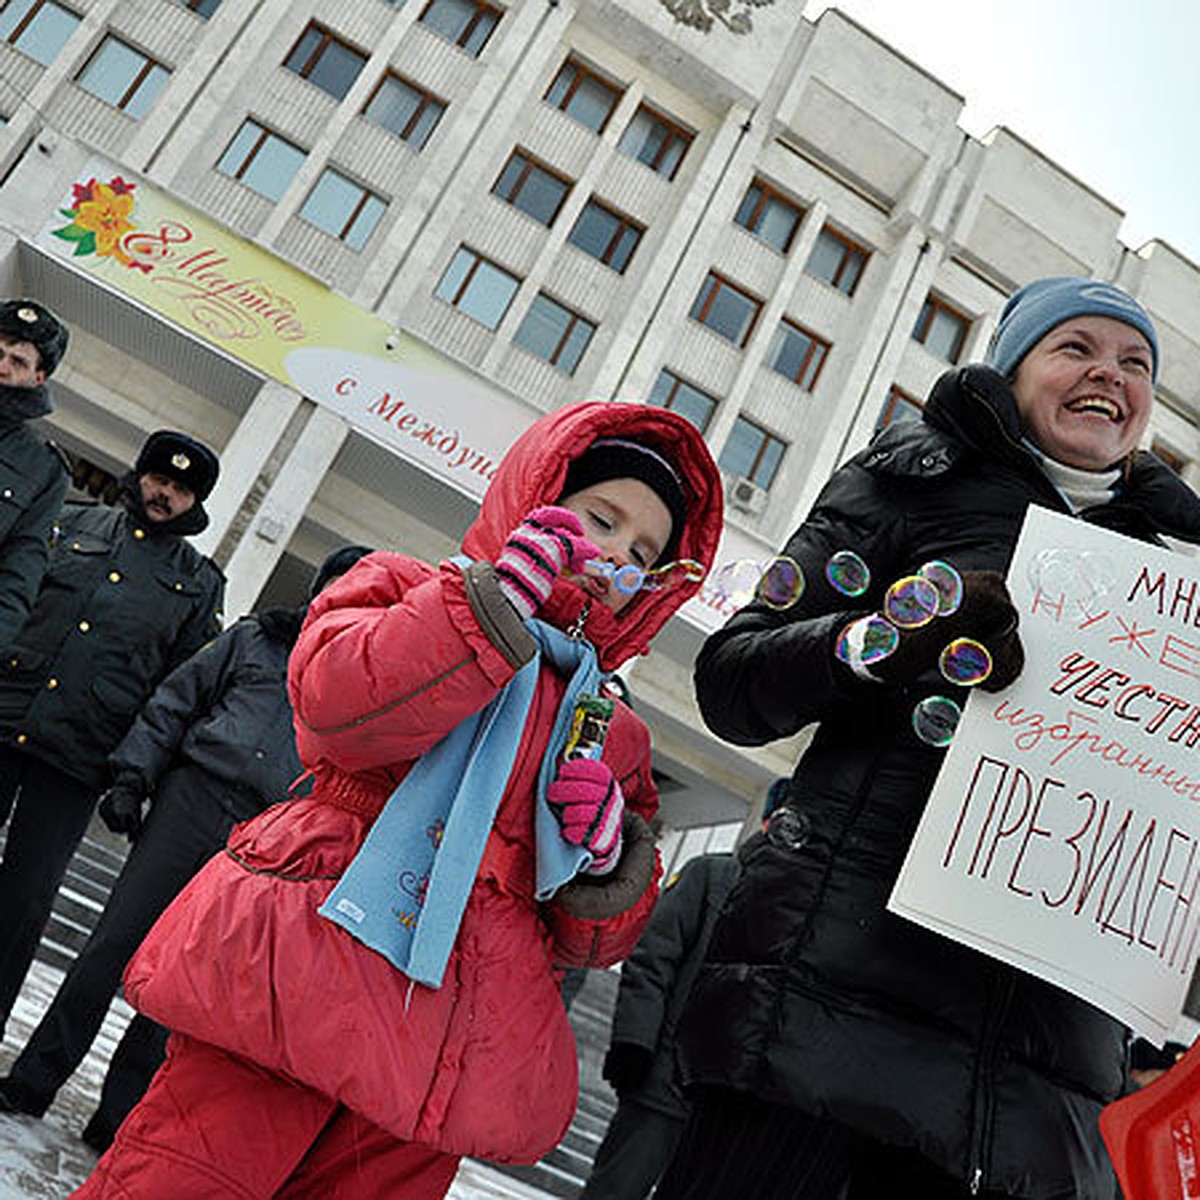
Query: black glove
x,y
121,809
986,614
626,1066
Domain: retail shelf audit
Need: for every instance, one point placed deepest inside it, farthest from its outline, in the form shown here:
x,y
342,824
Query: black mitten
x,y
986,614
121,809
626,1066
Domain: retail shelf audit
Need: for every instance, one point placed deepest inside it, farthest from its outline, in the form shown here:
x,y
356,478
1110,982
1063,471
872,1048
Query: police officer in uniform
x,y
125,599
213,745
33,471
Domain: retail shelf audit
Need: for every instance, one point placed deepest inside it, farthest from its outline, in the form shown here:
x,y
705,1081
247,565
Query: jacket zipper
x,y
981,1120
576,628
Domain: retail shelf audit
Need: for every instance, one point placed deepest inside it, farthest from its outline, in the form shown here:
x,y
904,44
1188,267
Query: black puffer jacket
x,y
122,603
225,710
813,995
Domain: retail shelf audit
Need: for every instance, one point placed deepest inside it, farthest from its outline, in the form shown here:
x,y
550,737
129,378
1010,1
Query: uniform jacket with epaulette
x,y
120,606
33,482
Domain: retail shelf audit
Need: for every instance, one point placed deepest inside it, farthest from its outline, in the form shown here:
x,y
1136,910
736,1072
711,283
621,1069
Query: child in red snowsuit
x,y
304,1063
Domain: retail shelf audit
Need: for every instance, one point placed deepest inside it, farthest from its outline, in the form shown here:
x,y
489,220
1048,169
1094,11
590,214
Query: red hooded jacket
x,y
392,656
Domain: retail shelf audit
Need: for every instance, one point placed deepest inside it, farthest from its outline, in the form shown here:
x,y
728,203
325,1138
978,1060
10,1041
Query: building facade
x,y
412,228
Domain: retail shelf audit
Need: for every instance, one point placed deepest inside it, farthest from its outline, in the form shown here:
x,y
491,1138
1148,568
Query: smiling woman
x,y
831,1047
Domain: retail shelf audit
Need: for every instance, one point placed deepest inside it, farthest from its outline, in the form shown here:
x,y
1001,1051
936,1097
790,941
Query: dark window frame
x,y
575,317
583,72
531,164
930,307
896,397
479,258
850,248
676,131
24,23
815,343
348,225
678,382
463,40
138,79
702,307
768,194
767,440
624,224
264,132
327,38
427,98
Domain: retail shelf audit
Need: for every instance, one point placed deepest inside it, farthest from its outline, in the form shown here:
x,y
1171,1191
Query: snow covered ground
x,y
45,1158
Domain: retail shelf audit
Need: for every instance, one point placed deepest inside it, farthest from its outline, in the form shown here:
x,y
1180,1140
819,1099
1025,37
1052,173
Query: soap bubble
x,y
682,570
935,719
782,583
948,583
847,573
1054,572
965,662
737,582
911,602
1081,577
867,640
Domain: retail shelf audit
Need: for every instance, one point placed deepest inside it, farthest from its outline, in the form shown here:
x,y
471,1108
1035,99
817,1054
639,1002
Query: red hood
x,y
533,472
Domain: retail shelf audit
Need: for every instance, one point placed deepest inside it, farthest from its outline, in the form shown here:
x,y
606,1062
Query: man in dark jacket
x,y
214,745
642,1060
125,599
33,471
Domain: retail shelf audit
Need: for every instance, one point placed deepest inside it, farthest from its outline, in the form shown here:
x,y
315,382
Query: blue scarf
x,y
404,892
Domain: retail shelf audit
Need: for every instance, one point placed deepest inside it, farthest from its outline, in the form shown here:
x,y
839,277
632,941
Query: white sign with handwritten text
x,y
1063,834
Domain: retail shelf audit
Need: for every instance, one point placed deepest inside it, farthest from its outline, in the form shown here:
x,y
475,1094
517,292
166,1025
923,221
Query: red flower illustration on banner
x,y
100,219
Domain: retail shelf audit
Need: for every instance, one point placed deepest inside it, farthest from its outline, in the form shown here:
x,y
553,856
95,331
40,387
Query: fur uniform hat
x,y
179,457
29,321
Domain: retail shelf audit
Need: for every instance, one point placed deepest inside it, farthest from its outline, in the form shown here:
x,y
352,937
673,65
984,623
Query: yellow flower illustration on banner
x,y
100,219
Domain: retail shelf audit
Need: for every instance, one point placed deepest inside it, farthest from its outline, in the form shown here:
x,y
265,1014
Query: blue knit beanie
x,y
1035,309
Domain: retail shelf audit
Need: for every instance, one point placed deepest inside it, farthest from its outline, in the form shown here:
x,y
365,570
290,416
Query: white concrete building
x,y
368,242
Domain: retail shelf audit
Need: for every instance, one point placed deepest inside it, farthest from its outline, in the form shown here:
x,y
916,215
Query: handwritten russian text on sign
x,y
1063,832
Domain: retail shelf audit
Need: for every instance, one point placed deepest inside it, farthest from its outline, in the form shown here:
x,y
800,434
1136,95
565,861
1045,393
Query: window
x,y
404,109
836,260
726,309
477,286
582,94
655,141
38,28
770,215
606,235
324,59
1178,463
685,398
555,333
466,23
941,329
260,159
202,8
797,354
899,406
752,453
123,77
343,208
531,187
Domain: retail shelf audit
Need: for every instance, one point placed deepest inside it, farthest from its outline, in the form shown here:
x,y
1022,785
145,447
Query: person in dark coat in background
x,y
214,745
33,471
125,599
642,1059
825,1039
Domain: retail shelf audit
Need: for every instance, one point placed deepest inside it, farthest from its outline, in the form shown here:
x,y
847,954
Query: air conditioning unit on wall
x,y
746,496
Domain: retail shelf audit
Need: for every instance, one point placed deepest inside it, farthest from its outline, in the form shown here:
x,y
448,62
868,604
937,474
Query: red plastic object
x,y
1153,1135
